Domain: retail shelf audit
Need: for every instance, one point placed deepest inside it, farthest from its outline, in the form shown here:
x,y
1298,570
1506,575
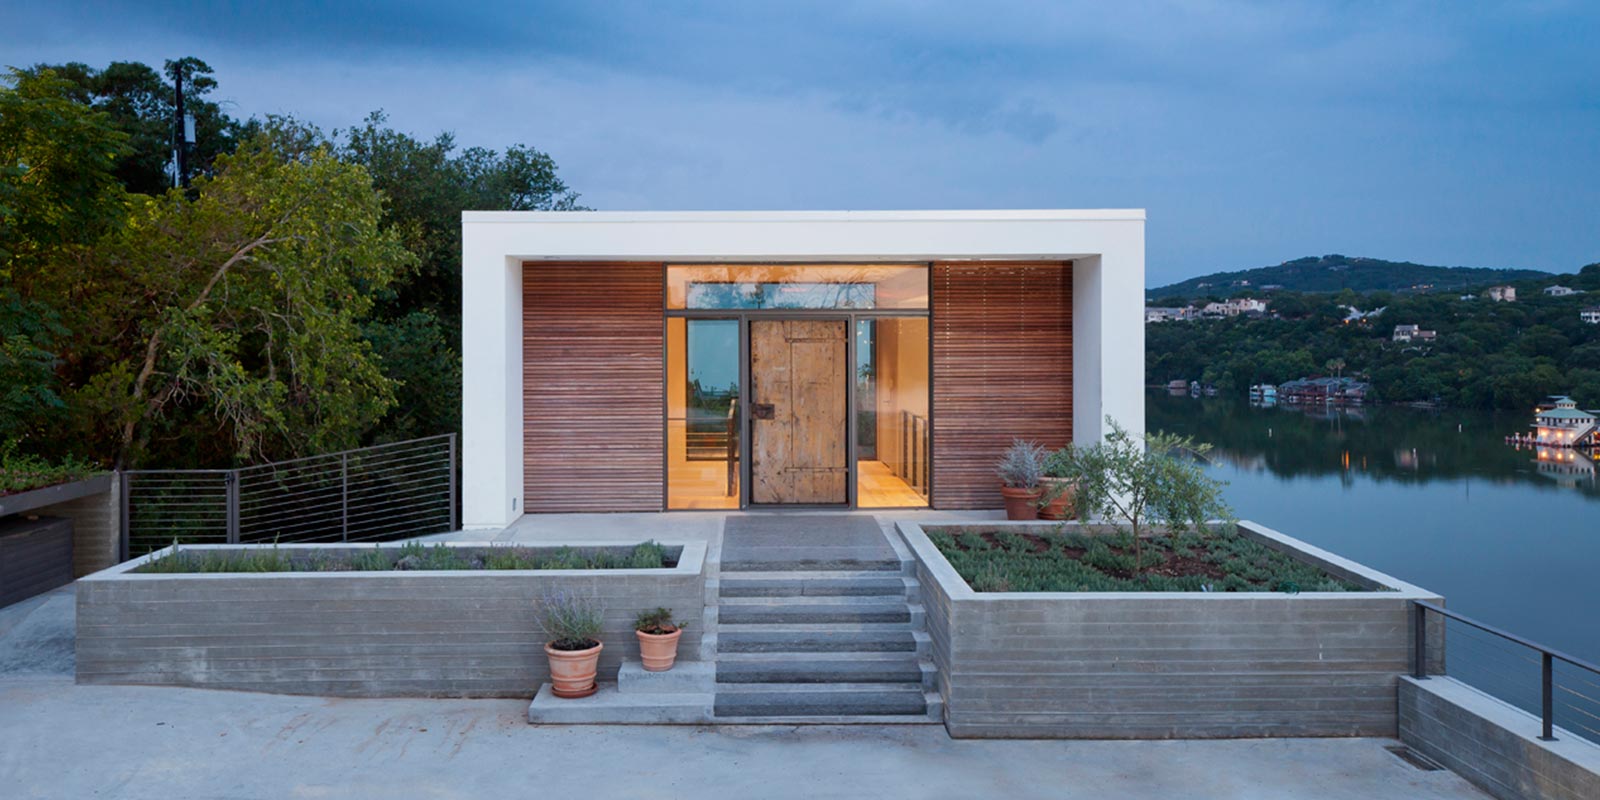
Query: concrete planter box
x,y
456,633
1153,665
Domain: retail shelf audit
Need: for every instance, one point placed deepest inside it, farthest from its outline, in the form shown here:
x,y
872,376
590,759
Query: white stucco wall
x,y
1106,246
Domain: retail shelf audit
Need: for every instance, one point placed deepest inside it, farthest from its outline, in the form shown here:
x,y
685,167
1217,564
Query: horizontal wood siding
x,y
592,386
1002,369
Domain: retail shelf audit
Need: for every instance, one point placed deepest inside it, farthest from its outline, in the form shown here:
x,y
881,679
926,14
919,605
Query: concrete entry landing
x,y
791,541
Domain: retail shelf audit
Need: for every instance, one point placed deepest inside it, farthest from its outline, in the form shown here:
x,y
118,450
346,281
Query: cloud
x,y
1253,132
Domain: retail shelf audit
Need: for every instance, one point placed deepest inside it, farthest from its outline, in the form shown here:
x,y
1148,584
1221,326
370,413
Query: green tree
x,y
140,101
416,330
58,188
242,338
1150,482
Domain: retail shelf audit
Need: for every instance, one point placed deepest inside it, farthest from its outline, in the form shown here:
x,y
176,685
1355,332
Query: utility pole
x,y
182,133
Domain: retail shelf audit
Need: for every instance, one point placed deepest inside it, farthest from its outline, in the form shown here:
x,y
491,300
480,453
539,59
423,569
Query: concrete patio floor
x,y
61,740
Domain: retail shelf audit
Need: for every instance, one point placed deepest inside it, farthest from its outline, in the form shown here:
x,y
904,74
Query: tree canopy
x,y
302,296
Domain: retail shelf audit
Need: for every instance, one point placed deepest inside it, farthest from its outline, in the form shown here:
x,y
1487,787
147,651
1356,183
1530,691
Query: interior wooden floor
x,y
703,485
877,487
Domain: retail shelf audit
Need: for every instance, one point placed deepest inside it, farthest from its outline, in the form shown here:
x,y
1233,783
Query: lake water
x,y
1433,497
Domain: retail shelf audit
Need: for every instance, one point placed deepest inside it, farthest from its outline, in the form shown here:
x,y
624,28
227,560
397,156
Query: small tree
x,y
1147,482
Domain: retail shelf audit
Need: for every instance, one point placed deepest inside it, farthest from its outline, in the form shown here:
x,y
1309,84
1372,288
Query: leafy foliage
x,y
1224,561
409,556
303,296
139,102
1021,466
570,621
261,282
20,472
657,621
1154,481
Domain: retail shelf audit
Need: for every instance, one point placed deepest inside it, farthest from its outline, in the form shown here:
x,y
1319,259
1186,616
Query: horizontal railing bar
x,y
265,506
370,520
336,485
408,519
1570,659
443,437
408,511
335,522
142,473
333,470
337,478
334,506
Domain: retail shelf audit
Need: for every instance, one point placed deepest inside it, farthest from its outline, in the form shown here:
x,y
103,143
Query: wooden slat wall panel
x,y
592,386
1002,369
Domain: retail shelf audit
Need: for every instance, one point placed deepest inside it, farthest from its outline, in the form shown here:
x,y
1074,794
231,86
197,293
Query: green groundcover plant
x,y
1221,560
410,556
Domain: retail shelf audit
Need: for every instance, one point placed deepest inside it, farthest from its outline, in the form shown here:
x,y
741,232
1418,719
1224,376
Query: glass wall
x,y
892,436
702,413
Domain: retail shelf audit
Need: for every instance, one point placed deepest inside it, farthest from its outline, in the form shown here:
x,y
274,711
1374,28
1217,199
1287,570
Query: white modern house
x,y
655,361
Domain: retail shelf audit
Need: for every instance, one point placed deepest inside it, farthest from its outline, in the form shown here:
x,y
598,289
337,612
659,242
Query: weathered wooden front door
x,y
798,380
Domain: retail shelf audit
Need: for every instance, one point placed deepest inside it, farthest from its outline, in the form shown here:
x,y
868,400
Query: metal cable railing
x,y
387,491
1504,664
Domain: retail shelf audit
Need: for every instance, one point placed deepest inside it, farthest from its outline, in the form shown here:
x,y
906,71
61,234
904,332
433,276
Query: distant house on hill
x,y
1561,291
1235,307
1501,294
1412,333
1166,314
1590,315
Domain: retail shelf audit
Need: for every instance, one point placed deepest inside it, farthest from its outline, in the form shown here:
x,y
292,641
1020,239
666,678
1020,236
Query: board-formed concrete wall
x,y
362,634
1168,664
1493,744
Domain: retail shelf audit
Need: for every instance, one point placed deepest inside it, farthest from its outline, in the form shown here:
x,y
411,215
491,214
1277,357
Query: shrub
x,y
657,621
1144,483
647,555
569,622
1021,466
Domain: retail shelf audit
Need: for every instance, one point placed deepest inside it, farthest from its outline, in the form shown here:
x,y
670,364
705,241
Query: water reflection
x,y
1384,443
1434,497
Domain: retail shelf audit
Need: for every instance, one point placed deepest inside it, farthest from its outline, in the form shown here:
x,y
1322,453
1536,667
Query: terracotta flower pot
x,y
1062,505
1021,504
572,671
658,650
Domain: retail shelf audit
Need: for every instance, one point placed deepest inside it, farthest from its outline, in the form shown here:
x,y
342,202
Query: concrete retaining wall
x,y
1494,744
1168,664
95,508
426,633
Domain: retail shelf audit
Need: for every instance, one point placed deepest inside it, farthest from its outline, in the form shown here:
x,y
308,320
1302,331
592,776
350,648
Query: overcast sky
x,y
1252,132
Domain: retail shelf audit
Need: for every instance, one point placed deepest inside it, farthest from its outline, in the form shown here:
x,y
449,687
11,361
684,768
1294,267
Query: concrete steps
x,y
813,700
810,643
900,668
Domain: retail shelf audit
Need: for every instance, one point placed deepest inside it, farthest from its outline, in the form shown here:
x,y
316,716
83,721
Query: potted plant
x,y
572,628
658,639
1060,485
1019,470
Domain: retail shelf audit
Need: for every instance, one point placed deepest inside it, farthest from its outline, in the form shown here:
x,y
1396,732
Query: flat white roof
x,y
945,215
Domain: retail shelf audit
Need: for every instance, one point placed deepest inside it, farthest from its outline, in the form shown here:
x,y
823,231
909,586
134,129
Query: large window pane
x,y
702,413
892,441
797,286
